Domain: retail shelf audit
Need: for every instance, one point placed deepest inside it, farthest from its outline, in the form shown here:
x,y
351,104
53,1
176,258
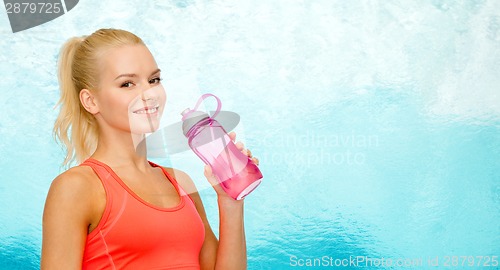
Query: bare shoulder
x,y
79,178
76,186
71,209
183,179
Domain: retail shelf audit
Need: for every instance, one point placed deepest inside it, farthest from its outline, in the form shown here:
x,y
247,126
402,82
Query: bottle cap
x,y
190,118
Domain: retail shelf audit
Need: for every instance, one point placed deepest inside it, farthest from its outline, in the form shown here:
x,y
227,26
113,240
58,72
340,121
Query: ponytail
x,y
74,127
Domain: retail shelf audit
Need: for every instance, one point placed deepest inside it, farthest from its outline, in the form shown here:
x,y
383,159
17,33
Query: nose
x,y
146,98
152,95
148,95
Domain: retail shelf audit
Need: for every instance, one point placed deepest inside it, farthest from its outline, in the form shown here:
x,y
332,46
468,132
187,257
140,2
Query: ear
x,y
88,101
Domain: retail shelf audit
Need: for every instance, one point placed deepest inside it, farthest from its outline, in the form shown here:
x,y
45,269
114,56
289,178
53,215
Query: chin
x,y
144,130
144,126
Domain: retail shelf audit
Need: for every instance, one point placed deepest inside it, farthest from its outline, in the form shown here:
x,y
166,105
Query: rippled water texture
x,y
377,123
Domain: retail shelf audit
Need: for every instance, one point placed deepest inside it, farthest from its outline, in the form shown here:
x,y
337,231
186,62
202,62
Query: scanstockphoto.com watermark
x,y
355,261
317,148
370,262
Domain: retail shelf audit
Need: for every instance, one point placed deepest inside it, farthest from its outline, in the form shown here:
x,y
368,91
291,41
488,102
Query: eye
x,y
155,80
127,84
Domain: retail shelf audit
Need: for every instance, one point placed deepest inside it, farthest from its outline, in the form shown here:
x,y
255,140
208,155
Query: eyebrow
x,y
134,75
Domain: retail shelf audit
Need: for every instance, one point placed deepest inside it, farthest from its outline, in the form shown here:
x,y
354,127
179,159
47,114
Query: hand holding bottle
x,y
232,165
211,177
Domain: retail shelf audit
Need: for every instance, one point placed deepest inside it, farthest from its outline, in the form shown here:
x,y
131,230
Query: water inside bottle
x,y
236,172
226,160
242,182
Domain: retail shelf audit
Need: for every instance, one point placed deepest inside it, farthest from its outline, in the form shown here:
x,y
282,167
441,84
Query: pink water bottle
x,y
235,171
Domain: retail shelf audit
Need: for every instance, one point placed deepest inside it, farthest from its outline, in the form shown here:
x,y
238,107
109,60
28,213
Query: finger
x,y
255,160
212,180
240,146
209,175
232,135
249,153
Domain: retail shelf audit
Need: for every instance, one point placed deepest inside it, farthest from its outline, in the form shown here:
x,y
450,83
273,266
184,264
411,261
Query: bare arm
x,y
69,210
232,251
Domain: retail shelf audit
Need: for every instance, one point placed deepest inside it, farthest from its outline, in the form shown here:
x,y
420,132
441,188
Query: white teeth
x,y
149,111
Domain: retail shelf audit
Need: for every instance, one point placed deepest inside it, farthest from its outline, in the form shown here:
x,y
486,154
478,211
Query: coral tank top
x,y
134,234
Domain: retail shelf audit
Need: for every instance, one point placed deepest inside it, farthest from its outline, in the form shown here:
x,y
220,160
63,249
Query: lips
x,y
147,110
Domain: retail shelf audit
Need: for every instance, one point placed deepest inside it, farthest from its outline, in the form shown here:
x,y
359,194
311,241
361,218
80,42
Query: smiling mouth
x,y
147,110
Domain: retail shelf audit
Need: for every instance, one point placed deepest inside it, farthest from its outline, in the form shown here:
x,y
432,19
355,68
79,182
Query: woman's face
x,y
130,96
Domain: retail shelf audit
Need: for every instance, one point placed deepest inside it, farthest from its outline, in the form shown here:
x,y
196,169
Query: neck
x,y
121,149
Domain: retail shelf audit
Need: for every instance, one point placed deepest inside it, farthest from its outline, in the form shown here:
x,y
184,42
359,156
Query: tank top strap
x,y
98,169
114,193
112,185
172,180
107,179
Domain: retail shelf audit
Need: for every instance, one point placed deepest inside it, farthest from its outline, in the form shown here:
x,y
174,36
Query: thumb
x,y
212,179
210,176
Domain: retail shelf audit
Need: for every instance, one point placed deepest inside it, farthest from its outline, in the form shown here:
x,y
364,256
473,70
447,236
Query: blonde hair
x,y
79,57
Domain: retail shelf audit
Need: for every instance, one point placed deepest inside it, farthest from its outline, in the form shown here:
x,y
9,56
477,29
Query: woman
x,y
117,210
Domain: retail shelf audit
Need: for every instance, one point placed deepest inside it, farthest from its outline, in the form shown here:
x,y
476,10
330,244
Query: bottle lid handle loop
x,y
203,97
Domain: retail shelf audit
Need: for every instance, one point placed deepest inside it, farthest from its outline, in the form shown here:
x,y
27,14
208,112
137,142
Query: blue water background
x,y
377,123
